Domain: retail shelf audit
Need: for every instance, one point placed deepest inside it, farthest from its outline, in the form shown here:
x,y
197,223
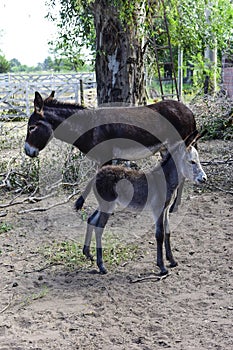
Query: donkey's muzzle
x,y
30,151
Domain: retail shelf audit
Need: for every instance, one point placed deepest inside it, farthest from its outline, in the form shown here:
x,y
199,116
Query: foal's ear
x,y
38,103
192,138
201,134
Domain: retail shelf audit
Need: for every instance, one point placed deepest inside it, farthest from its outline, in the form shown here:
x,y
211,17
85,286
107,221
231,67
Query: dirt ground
x,y
45,307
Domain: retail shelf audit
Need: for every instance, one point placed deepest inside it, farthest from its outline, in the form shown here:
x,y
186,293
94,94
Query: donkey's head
x,y
188,161
39,131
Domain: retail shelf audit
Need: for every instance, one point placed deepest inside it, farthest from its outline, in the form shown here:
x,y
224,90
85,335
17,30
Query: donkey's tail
x,y
80,201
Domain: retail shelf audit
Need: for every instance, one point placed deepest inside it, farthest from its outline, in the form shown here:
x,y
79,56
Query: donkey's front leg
x,y
160,238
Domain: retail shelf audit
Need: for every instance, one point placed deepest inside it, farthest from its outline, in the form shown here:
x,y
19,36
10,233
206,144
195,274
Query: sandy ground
x,y
53,307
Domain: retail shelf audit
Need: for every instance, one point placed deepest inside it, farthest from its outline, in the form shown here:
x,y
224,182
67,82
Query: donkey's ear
x,y
50,97
38,103
52,94
191,139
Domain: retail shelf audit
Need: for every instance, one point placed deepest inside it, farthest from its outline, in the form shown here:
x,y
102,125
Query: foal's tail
x,y
80,201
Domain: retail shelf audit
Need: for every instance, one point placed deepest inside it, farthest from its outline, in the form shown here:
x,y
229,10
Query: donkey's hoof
x,y
103,270
163,272
173,264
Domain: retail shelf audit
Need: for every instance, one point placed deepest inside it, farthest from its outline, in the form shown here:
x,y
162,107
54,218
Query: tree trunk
x,y
119,58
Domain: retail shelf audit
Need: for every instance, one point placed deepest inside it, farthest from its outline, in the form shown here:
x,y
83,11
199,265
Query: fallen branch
x,y
222,190
34,199
30,199
216,162
49,207
149,278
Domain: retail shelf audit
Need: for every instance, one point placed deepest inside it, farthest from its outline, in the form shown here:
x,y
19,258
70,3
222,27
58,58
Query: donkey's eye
x,y
193,162
32,128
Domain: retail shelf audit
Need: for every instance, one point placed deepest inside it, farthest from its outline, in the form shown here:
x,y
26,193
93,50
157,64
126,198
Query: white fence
x,y
17,90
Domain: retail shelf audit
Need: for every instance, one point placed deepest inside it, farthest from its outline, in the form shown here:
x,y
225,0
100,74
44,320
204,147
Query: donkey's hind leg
x,y
169,255
159,234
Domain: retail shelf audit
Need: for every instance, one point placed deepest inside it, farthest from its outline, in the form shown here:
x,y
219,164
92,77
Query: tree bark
x,y
119,58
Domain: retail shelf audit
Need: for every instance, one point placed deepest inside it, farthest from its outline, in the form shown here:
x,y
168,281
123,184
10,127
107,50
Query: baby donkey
x,y
137,190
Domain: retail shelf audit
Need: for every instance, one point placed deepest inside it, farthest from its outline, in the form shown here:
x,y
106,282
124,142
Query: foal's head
x,y
39,131
187,159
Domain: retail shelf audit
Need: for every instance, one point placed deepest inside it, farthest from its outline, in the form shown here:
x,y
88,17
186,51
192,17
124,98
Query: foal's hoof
x,y
86,252
90,257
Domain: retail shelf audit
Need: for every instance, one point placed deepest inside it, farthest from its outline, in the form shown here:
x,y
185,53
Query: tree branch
x,y
49,207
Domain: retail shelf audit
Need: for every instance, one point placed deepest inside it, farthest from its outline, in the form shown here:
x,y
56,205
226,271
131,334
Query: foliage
x,y
214,114
219,128
70,253
4,64
75,30
194,25
51,64
35,296
76,21
5,227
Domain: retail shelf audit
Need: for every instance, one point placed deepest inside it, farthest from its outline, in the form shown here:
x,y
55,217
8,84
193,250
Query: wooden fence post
x,y
76,93
27,100
81,92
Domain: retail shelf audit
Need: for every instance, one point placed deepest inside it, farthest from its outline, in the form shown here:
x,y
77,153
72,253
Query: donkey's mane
x,y
60,104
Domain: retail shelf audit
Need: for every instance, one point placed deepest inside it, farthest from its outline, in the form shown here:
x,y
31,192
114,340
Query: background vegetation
x,y
195,28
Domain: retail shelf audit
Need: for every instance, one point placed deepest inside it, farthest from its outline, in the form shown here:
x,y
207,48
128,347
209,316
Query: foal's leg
x,y
169,255
90,227
80,201
174,207
99,228
159,239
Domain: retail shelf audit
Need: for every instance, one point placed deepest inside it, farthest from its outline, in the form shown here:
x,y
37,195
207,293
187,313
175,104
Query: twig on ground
x,y
149,278
222,190
43,268
8,305
6,286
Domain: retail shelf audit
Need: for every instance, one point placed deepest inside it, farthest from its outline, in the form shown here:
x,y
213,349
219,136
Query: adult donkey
x,y
108,133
